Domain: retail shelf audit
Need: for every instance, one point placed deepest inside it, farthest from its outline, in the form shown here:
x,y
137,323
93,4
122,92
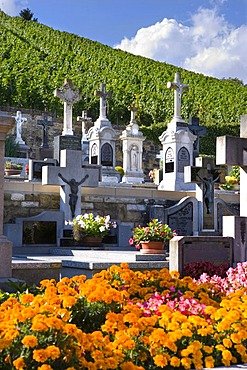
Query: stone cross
x,y
179,89
205,174
103,94
71,175
83,118
197,130
45,123
69,95
232,151
19,121
133,110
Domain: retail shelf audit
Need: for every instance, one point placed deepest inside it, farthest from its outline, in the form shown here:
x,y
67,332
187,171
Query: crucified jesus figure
x,y
74,186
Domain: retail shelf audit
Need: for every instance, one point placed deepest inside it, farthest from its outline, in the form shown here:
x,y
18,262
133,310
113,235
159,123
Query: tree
x,y
27,15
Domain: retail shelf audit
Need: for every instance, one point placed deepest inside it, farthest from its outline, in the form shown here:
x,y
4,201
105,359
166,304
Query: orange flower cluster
x,y
99,324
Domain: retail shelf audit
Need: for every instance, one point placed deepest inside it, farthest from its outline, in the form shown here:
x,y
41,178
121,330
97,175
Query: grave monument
x,y
132,140
231,150
69,95
177,142
102,140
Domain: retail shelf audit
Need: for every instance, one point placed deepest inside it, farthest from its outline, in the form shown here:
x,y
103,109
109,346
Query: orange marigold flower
x,y
209,362
227,342
19,363
40,355
160,360
130,366
175,361
53,352
45,367
30,341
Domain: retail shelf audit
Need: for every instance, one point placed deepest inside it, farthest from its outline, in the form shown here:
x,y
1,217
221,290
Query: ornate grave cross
x,y
69,95
198,131
103,94
19,121
232,151
83,118
179,88
205,174
45,123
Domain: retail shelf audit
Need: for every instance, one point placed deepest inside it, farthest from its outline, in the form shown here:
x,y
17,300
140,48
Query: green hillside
x,y
35,59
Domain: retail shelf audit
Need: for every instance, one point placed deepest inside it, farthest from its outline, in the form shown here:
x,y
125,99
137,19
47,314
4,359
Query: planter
x,y
150,247
11,172
90,241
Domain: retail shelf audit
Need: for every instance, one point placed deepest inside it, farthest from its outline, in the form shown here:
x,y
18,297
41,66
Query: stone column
x,y
6,123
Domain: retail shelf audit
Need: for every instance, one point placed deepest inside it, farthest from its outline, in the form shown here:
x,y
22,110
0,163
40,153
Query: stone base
x,y
6,257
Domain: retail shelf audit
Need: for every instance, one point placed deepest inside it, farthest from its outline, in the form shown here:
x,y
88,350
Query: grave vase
x,y
150,247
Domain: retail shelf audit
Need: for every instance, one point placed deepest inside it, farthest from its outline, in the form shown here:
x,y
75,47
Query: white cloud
x,y
12,7
210,45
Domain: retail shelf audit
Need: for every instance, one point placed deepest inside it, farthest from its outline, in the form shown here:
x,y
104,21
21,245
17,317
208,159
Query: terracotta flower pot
x,y
149,247
10,172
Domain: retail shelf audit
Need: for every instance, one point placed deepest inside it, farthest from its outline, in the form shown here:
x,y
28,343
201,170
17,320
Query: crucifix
x,y
19,121
103,94
69,95
71,175
45,123
197,130
179,88
205,174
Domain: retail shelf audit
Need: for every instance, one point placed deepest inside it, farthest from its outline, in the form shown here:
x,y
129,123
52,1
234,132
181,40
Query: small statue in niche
x,y
74,187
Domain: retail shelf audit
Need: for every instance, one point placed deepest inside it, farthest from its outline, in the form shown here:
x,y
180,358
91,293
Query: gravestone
x,y
102,141
35,168
6,123
231,150
205,174
84,140
45,151
177,142
183,217
71,175
132,139
187,249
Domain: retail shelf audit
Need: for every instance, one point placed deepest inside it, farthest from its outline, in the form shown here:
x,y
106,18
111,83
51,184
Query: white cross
x,y
83,118
69,95
179,89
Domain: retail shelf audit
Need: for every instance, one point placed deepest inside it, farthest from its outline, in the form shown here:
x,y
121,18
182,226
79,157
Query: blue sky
x,y
206,36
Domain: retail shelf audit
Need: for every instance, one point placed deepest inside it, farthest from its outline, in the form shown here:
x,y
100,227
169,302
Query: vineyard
x,y
35,59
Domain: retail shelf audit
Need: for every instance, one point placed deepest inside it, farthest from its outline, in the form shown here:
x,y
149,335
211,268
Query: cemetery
x,y
111,302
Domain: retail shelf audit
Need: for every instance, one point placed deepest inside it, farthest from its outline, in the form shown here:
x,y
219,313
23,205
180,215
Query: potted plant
x,y
232,181
12,168
90,228
151,238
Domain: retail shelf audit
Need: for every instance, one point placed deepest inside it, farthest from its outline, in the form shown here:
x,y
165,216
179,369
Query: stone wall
x,y
32,135
25,199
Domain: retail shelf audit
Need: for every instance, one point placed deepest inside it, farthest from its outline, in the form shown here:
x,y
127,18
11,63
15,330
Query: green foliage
x,y
27,15
11,148
35,59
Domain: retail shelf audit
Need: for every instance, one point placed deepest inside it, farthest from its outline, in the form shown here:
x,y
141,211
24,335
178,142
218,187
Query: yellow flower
x,y
40,355
209,361
45,367
160,360
53,352
175,361
227,343
19,363
30,341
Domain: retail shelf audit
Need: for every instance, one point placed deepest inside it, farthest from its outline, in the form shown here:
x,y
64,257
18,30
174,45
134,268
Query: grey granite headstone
x,y
69,142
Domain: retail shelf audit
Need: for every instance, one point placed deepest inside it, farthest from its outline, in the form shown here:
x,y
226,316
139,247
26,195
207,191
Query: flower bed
x,y
121,319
